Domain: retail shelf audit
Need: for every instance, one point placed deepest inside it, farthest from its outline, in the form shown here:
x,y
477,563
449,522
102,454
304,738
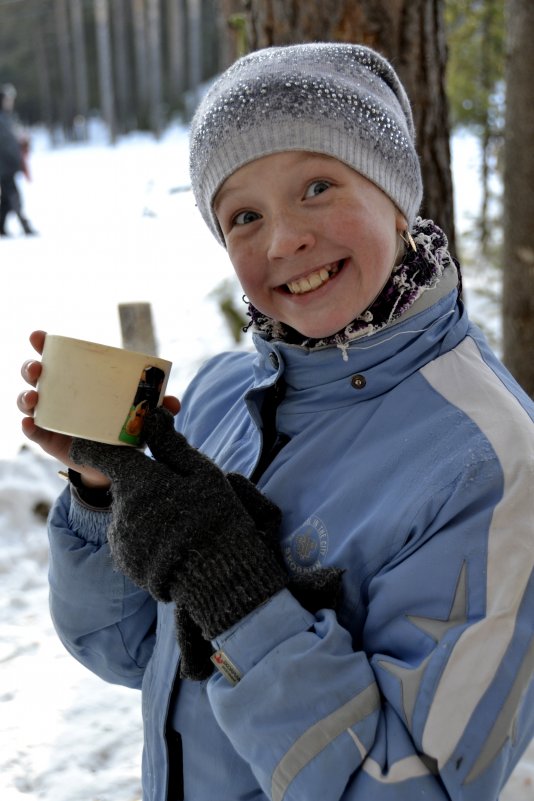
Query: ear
x,y
401,223
404,232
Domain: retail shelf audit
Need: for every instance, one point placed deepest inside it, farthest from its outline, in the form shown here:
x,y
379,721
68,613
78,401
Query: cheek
x,y
245,268
370,235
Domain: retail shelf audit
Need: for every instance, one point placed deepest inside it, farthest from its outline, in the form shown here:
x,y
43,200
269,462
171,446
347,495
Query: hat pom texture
x,y
341,100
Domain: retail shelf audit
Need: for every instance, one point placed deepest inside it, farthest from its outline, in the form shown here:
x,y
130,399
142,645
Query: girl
x,y
323,580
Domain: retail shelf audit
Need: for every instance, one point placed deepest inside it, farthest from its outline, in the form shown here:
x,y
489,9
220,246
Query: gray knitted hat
x,y
342,100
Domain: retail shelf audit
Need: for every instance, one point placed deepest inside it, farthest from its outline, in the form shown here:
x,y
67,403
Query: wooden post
x,y
137,328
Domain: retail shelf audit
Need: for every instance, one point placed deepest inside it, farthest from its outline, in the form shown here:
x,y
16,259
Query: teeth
x,y
312,281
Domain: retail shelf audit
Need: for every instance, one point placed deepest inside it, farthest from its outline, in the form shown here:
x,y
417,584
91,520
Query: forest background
x,y
467,64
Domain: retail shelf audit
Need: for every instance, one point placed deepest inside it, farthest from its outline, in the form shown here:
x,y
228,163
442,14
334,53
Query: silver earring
x,y
408,239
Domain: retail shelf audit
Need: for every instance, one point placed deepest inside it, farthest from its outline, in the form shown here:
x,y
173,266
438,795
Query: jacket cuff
x,y
95,498
260,632
87,522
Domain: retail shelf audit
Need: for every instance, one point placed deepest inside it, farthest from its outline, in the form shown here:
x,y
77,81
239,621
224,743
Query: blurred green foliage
x,y
476,39
476,60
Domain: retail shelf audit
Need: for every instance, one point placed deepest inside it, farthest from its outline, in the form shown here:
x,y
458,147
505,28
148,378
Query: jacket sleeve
x,y
103,619
439,701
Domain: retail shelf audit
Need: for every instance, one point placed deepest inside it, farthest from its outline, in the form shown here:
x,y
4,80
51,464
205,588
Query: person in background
x,y
322,578
13,159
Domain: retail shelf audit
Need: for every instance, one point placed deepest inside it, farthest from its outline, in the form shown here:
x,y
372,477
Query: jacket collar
x,y
327,377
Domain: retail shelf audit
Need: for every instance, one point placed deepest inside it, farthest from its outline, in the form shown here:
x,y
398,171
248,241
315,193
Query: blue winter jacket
x,y
410,464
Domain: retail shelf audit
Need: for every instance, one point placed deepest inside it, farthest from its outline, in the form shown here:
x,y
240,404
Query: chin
x,y
312,332
318,335
326,325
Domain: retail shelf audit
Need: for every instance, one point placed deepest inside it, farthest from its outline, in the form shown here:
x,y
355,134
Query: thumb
x,y
114,461
265,514
165,443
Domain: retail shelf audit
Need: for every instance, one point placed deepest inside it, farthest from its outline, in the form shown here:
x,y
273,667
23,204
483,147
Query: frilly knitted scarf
x,y
418,271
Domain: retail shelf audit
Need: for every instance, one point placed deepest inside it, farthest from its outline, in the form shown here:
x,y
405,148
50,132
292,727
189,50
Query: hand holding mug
x,y
58,444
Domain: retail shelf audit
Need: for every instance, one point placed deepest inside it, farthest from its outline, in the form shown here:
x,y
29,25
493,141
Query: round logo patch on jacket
x,y
306,547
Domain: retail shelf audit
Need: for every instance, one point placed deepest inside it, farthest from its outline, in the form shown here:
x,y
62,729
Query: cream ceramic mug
x,y
98,392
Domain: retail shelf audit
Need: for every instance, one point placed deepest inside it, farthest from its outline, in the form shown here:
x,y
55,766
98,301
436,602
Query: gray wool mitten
x,y
188,533
179,531
319,589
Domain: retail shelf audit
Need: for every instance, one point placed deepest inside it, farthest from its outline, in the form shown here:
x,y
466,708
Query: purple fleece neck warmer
x,y
418,271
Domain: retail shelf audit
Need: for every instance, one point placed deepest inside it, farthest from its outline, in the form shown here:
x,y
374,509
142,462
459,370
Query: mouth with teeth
x,y
315,280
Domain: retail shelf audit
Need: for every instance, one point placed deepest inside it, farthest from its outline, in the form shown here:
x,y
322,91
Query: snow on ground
x,y
112,229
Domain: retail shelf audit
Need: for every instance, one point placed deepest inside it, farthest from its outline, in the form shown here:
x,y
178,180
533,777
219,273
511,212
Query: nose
x,y
290,234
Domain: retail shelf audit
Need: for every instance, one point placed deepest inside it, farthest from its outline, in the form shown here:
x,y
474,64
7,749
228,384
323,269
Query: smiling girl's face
x,y
312,241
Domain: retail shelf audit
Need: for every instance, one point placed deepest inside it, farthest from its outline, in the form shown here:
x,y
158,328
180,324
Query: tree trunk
x,y
232,38
194,33
485,172
105,68
43,73
80,67
141,60
65,65
154,66
177,61
411,34
210,55
488,130
122,77
518,277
